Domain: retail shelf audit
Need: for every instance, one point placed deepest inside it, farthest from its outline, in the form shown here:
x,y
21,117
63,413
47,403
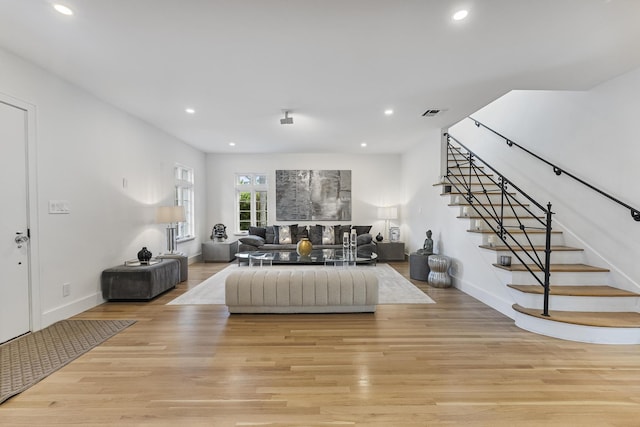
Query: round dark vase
x,y
379,237
144,255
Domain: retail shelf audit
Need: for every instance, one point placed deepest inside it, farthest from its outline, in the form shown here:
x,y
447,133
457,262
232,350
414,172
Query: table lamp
x,y
387,213
170,215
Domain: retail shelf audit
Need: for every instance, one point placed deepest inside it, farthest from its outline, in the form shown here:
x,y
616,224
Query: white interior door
x,y
15,316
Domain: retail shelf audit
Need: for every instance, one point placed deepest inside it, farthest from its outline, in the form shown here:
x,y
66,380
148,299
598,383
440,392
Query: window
x,y
251,201
184,197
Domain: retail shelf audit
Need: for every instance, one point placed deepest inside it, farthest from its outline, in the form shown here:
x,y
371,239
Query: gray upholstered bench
x,y
328,290
140,282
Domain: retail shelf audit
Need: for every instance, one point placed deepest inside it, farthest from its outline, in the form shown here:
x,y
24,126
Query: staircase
x,y
582,304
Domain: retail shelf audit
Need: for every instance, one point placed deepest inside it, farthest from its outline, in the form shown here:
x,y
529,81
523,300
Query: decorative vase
x,y
379,237
304,247
144,255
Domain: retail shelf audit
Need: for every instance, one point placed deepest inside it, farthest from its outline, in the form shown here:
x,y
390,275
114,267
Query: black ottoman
x,y
419,267
144,282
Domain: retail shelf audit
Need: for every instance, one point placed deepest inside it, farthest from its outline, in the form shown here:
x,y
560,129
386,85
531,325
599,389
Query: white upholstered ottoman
x,y
327,290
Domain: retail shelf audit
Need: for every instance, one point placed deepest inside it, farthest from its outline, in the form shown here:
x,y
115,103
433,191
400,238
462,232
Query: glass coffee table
x,y
317,257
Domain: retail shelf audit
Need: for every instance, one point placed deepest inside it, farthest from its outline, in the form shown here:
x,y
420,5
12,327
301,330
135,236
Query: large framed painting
x,y
313,195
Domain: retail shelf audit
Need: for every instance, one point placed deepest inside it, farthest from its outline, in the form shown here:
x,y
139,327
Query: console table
x,y
390,251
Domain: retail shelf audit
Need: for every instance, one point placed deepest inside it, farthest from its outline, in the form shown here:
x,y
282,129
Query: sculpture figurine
x,y
219,232
427,247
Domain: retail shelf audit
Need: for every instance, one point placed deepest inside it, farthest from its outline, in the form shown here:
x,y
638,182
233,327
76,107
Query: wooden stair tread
x,y
558,248
465,203
497,192
486,184
556,268
576,290
587,318
484,175
464,166
504,217
483,231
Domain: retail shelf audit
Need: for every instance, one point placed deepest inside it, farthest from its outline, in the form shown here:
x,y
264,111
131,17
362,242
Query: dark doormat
x,y
30,358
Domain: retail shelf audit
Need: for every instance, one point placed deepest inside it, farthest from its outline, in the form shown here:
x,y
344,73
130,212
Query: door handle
x,y
21,238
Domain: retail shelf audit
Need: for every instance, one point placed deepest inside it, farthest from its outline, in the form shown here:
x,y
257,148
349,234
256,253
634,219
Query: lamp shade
x,y
169,214
390,212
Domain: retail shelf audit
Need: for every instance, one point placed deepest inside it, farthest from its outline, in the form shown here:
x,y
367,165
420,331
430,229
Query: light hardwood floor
x,y
456,362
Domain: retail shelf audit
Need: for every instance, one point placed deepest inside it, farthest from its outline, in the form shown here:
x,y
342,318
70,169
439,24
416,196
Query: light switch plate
x,y
59,207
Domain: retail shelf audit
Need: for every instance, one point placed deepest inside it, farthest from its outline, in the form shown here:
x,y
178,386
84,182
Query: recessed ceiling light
x,y
363,144
388,112
460,15
190,110
63,9
232,144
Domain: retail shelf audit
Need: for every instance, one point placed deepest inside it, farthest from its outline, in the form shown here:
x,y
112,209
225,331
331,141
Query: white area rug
x,y
392,287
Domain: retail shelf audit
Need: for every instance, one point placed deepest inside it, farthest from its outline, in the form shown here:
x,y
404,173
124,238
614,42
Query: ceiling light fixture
x,y
363,144
232,144
388,112
189,111
287,120
63,9
460,15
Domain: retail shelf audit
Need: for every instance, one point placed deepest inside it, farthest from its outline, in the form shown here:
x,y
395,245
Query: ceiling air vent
x,y
430,113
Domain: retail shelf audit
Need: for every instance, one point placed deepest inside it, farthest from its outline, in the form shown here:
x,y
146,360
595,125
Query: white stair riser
x,y
537,239
511,223
486,211
460,183
491,196
577,303
558,257
563,278
571,332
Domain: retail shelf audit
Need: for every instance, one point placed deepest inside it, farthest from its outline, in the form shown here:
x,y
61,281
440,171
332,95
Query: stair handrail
x,y
635,213
499,217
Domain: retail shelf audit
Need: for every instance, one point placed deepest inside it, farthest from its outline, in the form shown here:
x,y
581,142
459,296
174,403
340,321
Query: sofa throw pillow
x,y
340,230
258,231
252,240
271,235
315,234
293,231
328,235
284,234
363,239
301,231
362,229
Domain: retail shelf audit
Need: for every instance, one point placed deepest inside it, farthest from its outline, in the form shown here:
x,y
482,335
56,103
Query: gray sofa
x,y
286,237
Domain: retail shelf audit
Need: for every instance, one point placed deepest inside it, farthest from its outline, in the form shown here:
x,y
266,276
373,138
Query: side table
x,y
219,251
439,276
390,251
184,263
419,267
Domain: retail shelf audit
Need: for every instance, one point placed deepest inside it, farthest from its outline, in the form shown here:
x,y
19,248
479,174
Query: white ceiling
x,y
337,64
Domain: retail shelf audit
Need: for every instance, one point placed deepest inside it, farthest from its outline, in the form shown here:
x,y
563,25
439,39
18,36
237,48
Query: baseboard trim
x,y
71,309
493,301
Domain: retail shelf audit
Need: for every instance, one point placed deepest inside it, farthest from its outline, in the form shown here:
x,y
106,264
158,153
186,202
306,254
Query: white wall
x,y
375,181
422,204
85,148
593,135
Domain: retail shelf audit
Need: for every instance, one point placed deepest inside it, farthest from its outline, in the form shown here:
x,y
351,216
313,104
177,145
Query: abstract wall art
x,y
313,195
